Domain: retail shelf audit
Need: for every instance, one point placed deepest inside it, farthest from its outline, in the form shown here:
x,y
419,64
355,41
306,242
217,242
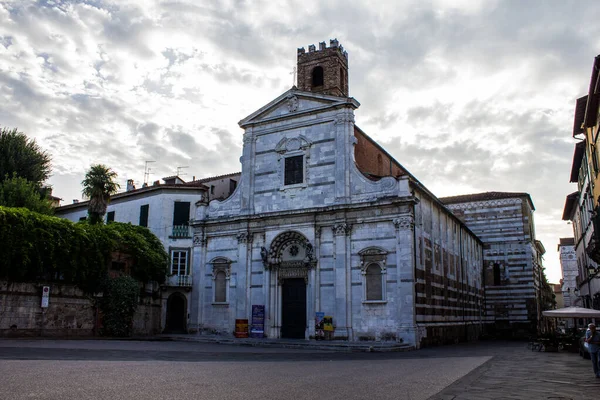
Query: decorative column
x,y
342,271
405,265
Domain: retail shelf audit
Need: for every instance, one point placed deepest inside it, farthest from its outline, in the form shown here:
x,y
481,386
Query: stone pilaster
x,y
242,275
344,131
198,263
247,177
405,265
341,318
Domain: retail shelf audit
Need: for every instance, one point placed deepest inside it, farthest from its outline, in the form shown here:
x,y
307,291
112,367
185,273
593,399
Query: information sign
x,y
45,296
257,327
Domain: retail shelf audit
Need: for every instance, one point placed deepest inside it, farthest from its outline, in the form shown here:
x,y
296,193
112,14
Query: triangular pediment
x,y
295,102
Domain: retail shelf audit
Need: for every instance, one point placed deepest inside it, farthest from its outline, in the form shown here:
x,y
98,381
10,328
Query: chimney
x,y
75,201
130,185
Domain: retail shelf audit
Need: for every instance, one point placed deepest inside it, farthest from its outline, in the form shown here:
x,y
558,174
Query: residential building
x,y
166,209
585,127
579,210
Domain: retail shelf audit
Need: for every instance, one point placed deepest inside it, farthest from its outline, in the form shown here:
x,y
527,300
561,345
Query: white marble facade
x,y
329,227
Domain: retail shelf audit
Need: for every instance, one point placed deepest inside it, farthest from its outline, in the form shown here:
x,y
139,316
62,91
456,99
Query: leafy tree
x,y
99,184
23,157
19,192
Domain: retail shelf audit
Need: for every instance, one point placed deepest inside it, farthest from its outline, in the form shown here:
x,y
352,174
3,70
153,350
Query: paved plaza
x,y
115,369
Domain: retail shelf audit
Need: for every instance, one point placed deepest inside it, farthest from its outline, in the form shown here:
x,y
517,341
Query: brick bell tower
x,y
324,70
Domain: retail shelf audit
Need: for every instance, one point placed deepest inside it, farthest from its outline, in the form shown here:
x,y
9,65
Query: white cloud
x,y
468,95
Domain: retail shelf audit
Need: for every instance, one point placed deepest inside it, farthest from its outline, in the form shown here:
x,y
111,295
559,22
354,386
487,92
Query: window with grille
x,y
294,170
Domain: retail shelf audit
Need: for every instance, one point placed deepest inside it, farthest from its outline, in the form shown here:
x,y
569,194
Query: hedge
x,y
37,247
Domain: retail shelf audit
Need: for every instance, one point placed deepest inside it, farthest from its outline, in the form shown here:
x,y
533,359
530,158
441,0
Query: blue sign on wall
x,y
257,327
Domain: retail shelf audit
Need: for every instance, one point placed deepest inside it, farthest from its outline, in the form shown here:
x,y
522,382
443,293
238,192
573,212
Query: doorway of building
x,y
176,313
293,308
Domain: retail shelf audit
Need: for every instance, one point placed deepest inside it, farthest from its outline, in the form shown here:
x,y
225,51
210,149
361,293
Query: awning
x,y
572,312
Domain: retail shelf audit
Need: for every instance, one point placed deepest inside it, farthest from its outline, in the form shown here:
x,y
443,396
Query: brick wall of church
x,y
371,159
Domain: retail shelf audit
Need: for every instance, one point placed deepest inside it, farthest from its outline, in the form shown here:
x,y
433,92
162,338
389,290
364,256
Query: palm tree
x,y
98,185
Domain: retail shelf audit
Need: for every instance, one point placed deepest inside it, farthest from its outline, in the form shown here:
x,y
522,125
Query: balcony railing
x,y
179,280
181,231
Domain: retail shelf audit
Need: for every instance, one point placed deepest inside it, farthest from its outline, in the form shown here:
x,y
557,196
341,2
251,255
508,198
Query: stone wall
x,y
70,312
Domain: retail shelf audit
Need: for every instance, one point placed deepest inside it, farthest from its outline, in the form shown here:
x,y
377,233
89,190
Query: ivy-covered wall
x,y
38,247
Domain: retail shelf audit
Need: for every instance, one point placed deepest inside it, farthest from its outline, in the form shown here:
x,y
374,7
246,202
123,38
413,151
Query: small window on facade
x,y
294,170
212,189
82,218
232,185
179,261
220,287
110,216
374,282
317,76
144,215
497,280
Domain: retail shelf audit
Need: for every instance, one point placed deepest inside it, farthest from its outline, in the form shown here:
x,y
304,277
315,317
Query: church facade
x,y
323,220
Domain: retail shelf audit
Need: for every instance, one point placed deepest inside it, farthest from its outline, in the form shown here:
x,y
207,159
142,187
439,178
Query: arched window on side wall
x,y
220,275
317,76
373,271
220,288
374,282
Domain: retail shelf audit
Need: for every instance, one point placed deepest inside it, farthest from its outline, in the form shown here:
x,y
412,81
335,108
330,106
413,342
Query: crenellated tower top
x,y
324,70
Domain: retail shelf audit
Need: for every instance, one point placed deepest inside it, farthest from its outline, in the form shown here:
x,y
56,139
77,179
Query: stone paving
x,y
514,372
467,371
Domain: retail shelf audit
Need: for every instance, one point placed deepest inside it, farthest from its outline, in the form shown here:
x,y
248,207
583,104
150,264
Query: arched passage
x,y
176,314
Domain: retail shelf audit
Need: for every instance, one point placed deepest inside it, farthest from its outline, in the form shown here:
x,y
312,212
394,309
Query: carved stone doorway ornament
x,y
291,254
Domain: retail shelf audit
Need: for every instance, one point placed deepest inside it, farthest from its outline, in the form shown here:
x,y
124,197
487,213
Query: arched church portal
x,y
290,259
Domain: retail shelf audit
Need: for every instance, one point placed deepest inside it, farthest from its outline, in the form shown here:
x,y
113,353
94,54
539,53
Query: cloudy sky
x,y
468,95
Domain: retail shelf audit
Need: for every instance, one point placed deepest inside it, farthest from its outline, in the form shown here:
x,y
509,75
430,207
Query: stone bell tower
x,y
324,70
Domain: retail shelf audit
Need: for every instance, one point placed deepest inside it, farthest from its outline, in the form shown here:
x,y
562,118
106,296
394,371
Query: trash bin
x,y
241,328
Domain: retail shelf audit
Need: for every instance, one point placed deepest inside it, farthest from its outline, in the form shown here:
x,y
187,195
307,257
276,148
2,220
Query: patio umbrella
x,y
572,312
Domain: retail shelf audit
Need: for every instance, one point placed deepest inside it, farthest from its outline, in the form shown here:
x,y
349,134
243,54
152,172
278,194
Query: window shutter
x,y
144,215
181,213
